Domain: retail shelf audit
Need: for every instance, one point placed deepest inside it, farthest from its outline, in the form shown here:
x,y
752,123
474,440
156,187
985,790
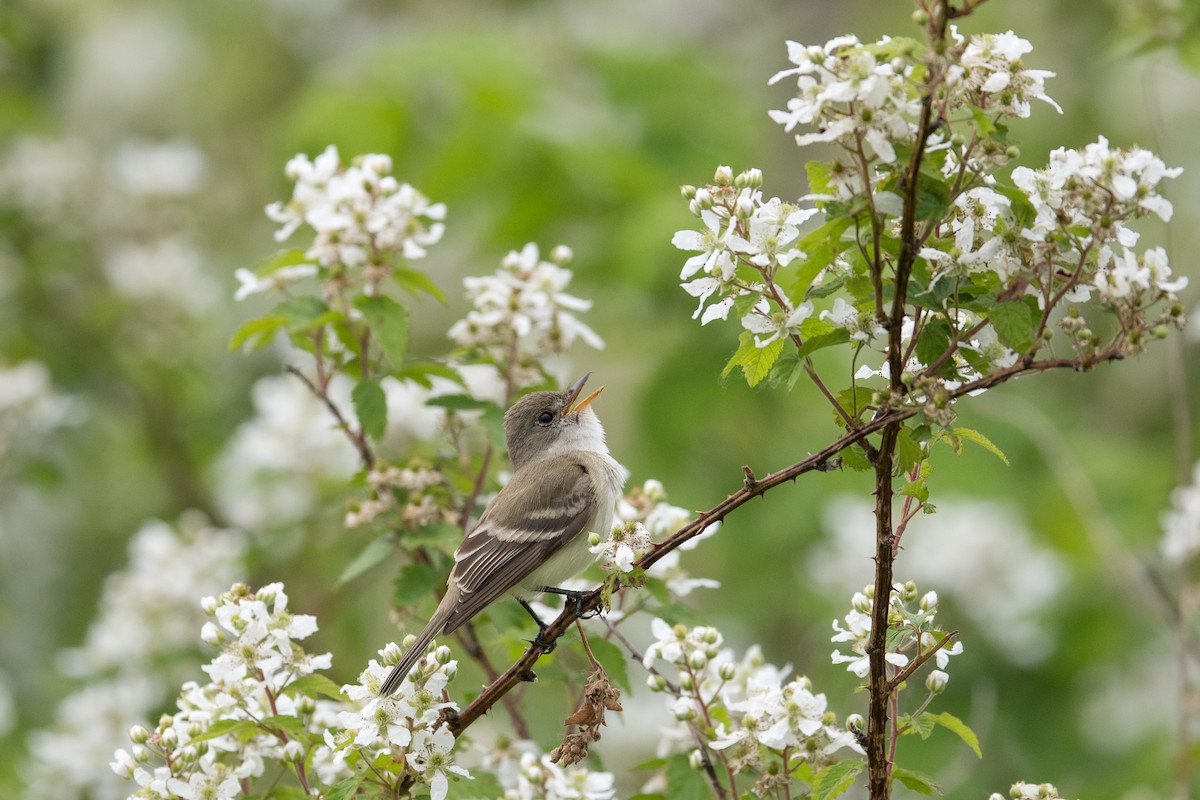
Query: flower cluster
x,y
645,511
29,403
744,711
259,659
405,727
850,92
910,630
416,492
745,242
525,773
1098,190
989,64
524,307
362,220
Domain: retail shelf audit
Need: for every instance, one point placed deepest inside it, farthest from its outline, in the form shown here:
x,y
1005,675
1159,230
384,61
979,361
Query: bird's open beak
x,y
573,408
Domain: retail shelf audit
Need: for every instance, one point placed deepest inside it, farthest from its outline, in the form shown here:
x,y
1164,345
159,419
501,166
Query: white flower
x,y
429,756
992,63
762,321
274,281
715,244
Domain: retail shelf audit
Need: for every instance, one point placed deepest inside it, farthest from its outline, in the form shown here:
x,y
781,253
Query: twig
x,y
357,438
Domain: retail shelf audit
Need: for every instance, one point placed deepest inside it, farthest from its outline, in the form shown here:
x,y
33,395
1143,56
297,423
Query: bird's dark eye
x,y
545,418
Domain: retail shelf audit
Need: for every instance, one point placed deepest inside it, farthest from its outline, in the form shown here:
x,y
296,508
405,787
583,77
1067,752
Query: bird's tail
x,y
417,648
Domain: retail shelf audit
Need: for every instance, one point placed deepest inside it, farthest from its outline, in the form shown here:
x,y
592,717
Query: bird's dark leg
x,y
574,595
547,647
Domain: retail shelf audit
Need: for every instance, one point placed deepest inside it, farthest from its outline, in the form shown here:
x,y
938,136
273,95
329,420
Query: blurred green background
x,y
572,122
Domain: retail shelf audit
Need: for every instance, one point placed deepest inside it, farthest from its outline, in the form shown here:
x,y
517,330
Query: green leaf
x,y
283,791
1014,325
422,371
755,361
292,726
388,321
921,725
786,371
854,400
612,658
459,402
855,458
284,258
374,554
685,783
836,778
959,728
918,490
414,282
342,789
415,583
258,332
223,727
822,340
313,685
934,340
919,782
482,786
370,405
908,452
978,438
933,198
300,311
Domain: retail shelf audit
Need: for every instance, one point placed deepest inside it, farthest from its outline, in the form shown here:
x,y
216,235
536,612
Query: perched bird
x,y
534,534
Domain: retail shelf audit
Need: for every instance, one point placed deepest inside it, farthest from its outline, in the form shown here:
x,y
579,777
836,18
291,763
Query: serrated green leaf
x,y
959,728
921,725
374,554
978,438
908,452
225,727
301,310
919,782
1014,324
854,400
755,361
292,726
786,371
918,490
416,582
855,458
819,342
612,658
933,340
933,198
343,789
481,786
388,321
819,173
313,685
836,778
370,406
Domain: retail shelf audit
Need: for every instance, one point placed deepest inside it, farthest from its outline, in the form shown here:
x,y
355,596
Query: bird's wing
x,y
548,507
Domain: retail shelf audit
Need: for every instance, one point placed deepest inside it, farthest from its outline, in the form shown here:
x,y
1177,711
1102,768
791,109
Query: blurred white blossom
x,y
1181,522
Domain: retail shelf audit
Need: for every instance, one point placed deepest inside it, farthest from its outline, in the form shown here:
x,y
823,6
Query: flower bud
x,y
211,634
656,682
306,704
1159,331
390,654
593,539
140,754
442,654
685,681
195,729
1012,151
209,605
723,176
703,199
936,681
920,17
710,636
697,660
138,734
929,602
688,191
856,722
684,709
909,592
293,752
727,671
562,255
744,206
696,759
122,765
170,739
860,603
749,179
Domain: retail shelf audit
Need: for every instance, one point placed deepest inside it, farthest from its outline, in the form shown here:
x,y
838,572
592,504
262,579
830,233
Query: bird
x,y
534,533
